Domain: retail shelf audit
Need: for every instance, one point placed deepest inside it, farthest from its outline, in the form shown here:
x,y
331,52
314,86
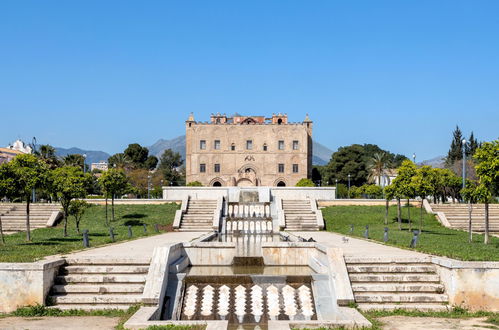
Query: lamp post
x,y
464,162
84,159
148,187
414,158
349,186
336,180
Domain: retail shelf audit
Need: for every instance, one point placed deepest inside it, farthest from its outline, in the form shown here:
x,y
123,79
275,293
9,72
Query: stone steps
x,y
98,284
198,215
298,215
380,284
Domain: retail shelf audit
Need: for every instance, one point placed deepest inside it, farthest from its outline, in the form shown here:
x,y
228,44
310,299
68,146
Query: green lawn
x,y
50,241
435,238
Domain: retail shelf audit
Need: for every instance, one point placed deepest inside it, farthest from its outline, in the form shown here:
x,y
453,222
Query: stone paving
x,y
59,323
353,247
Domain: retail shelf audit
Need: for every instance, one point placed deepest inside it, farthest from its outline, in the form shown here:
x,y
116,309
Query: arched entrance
x,y
217,184
281,184
244,183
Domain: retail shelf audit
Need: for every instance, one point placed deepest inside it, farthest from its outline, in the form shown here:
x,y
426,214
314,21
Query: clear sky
x,y
102,74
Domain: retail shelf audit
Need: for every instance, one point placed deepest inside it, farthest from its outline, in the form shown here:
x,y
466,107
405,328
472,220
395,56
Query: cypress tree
x,y
456,147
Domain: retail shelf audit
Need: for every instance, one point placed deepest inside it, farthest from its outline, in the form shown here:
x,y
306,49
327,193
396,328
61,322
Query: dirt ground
x,y
418,323
59,323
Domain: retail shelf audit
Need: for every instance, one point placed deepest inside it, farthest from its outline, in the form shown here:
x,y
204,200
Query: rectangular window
x,y
202,144
295,145
233,147
264,147
217,168
295,168
280,145
217,145
249,144
202,168
280,168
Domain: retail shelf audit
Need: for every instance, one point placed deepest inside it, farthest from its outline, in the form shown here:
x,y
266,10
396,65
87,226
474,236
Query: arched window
x,y
279,121
217,184
281,184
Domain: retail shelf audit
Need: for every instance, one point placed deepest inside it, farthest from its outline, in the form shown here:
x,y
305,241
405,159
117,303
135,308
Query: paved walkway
x,y
136,249
357,247
59,323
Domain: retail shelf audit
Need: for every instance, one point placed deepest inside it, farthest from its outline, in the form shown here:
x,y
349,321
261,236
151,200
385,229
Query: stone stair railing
x,y
281,219
218,213
440,215
318,214
179,213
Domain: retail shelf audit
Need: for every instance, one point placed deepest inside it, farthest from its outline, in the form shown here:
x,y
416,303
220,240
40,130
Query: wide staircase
x,y
396,284
457,215
299,215
14,216
198,215
93,284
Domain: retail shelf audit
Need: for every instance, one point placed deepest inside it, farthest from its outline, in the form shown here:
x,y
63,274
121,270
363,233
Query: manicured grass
x,y
50,241
435,238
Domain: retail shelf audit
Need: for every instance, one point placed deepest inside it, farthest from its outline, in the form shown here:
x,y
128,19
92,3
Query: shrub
x,y
195,184
305,183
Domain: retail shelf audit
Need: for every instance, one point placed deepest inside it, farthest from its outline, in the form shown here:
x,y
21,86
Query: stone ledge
x,y
459,264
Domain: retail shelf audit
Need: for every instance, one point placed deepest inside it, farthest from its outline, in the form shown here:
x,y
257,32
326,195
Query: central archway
x,y
244,183
281,184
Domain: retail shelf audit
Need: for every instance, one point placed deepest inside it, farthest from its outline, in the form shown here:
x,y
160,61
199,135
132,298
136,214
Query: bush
x,y
305,183
194,184
372,191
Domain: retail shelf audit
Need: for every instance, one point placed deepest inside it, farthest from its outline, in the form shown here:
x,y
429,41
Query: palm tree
x,y
47,154
377,166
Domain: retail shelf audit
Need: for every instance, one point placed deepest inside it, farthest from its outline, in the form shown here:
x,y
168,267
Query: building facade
x,y
248,150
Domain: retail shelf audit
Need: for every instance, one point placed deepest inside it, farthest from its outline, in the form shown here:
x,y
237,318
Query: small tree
x,y
68,183
113,182
470,194
305,183
194,184
404,185
424,183
7,189
487,170
77,208
29,173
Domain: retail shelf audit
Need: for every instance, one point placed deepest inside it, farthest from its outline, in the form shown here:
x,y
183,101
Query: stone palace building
x,y
248,150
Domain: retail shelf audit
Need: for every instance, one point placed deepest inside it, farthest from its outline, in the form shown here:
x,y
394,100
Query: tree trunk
x,y
65,217
112,208
77,220
1,232
107,222
386,212
409,213
486,237
469,222
421,217
399,214
28,231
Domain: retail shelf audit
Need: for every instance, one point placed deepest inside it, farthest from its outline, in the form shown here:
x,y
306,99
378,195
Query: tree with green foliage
x,y
456,147
47,154
377,166
74,160
487,169
68,183
137,154
404,185
449,185
471,146
372,191
194,184
114,182
424,183
29,173
7,189
77,208
305,183
119,160
151,163
169,163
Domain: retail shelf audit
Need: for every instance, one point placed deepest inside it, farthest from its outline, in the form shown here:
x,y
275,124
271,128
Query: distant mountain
x,y
321,154
438,162
176,144
92,156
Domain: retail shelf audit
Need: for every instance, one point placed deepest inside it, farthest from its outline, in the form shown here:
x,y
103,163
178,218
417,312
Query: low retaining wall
x,y
470,284
24,284
138,201
364,202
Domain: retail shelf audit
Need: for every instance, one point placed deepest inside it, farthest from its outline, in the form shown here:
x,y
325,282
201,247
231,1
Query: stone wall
x,y
470,284
25,284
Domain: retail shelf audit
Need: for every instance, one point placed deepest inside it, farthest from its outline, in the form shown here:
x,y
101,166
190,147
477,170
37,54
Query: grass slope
x,y
435,238
50,241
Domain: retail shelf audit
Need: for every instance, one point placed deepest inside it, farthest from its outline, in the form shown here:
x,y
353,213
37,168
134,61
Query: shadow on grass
x,y
133,223
63,239
38,243
134,216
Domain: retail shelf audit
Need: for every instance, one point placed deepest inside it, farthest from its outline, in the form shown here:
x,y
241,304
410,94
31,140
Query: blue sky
x,y
102,74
